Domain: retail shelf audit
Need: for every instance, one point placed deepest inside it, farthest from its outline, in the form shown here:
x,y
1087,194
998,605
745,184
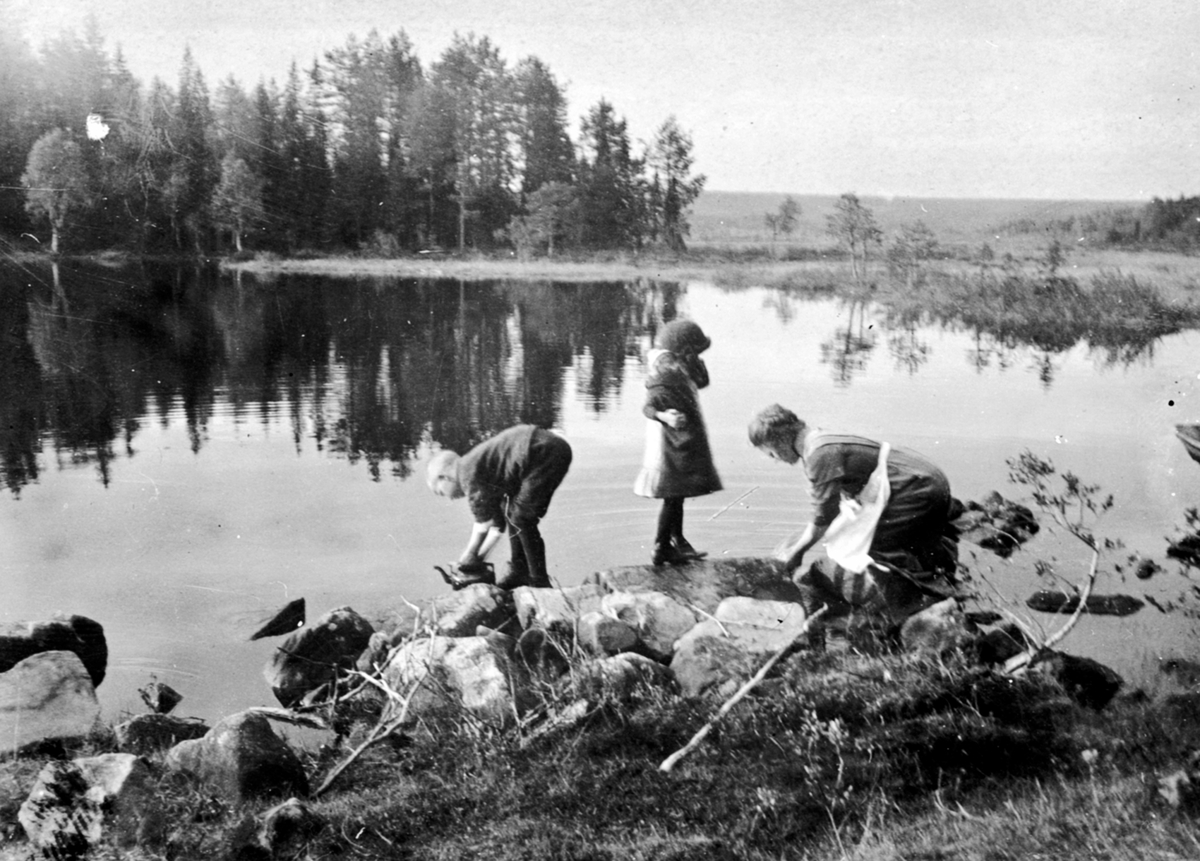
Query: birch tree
x,y
55,181
671,160
855,229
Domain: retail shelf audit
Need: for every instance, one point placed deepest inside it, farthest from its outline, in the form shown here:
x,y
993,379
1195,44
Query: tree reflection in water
x,y
374,370
847,351
371,372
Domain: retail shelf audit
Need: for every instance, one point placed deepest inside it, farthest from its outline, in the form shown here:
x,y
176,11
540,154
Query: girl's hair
x,y
774,424
680,335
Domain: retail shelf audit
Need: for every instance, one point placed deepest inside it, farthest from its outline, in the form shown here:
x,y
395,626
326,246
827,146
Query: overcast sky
x,y
933,98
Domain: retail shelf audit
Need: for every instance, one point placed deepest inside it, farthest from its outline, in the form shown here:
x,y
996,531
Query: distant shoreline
x,y
488,268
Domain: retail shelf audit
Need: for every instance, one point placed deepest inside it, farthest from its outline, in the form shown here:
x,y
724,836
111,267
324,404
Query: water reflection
x,y
909,350
369,372
373,370
851,345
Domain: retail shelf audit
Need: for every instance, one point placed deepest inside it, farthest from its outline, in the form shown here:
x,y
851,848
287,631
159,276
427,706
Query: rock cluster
x,y
481,655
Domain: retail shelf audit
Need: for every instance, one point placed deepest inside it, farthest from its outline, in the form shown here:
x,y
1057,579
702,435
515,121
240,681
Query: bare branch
x,y
673,759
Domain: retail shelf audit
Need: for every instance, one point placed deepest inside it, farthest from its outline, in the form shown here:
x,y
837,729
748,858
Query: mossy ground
x,y
839,756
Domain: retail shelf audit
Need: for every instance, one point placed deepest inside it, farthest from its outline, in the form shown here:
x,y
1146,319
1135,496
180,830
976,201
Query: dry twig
x,y
727,706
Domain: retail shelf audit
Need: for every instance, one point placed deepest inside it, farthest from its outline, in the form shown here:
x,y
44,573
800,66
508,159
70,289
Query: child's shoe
x,y
666,554
686,549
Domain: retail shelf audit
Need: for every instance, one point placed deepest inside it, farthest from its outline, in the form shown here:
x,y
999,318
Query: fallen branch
x,y
383,728
1034,653
670,761
380,731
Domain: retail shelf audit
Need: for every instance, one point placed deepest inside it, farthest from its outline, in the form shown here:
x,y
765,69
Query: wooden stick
x,y
674,758
735,502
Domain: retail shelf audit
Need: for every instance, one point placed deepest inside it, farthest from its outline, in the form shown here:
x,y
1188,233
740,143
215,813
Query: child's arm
x,y
483,538
661,407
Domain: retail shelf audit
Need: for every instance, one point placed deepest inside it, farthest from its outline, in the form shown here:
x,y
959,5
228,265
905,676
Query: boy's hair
x,y
774,424
444,464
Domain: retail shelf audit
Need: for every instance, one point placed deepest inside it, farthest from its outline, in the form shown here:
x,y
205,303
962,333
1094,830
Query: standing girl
x,y
678,462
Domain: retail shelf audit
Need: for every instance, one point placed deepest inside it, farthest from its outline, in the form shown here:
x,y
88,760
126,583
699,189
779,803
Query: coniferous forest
x,y
368,149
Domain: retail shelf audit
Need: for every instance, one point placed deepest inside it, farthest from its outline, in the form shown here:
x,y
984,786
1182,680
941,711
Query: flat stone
x,y
702,584
556,610
78,634
48,695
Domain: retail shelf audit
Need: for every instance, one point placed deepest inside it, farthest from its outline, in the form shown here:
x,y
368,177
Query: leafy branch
x,y
1074,506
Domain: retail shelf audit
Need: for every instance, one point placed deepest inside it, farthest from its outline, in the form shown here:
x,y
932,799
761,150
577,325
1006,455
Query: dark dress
x,y
912,531
677,463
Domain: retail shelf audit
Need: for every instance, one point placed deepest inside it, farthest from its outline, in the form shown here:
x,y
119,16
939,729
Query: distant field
x,y
736,218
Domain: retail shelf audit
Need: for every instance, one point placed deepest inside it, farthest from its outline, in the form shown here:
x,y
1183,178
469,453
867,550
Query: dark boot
x,y
666,554
532,554
686,549
517,572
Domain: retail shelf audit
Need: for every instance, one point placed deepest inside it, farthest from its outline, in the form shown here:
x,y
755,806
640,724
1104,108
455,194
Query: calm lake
x,y
182,452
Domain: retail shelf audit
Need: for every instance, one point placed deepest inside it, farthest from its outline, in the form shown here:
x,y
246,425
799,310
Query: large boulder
x,y
757,625
147,733
241,758
310,660
702,584
459,613
78,634
732,644
658,619
47,696
936,630
73,803
602,634
473,674
556,610
710,663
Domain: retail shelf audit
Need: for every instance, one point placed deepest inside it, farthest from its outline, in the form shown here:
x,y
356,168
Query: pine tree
x,y
480,88
671,160
612,192
546,151
195,172
18,124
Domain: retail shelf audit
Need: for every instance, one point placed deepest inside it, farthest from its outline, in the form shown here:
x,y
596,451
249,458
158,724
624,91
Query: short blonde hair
x,y
775,424
444,464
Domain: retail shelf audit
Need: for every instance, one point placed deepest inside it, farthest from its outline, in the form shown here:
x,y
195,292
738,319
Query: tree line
x,y
1162,223
369,148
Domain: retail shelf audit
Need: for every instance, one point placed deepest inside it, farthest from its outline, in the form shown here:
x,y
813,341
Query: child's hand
x,y
673,419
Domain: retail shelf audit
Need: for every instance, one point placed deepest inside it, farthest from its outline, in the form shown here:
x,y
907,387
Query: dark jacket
x,y
678,462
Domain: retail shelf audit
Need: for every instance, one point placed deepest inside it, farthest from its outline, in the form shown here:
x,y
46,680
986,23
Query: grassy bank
x,y
840,756
1177,276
